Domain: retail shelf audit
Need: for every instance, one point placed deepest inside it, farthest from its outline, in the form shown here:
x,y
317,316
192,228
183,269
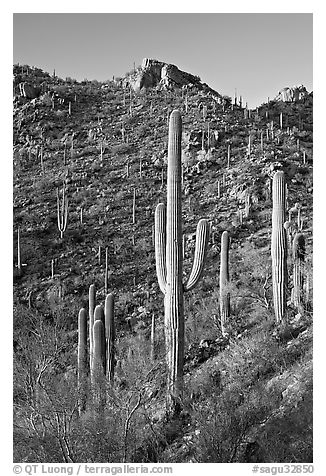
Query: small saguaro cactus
x,y
248,205
218,189
62,211
19,264
52,268
41,159
279,248
298,256
224,282
204,112
65,154
134,207
249,145
169,264
101,151
153,338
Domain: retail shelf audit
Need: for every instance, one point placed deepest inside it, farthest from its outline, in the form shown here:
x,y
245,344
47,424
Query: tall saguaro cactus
x,y
109,335
169,264
298,255
19,263
99,349
98,363
224,282
279,247
91,308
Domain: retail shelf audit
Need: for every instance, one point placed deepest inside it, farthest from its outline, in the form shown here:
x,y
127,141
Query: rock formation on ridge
x,y
154,73
296,93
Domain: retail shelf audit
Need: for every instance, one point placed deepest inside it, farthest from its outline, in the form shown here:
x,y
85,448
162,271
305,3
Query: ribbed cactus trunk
x,y
19,263
174,317
169,264
298,255
91,308
279,248
224,282
109,336
82,359
99,359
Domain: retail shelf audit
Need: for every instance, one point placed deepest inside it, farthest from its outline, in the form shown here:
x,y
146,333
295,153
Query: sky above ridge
x,y
255,53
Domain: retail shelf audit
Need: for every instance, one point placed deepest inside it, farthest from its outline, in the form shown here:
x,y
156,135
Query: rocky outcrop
x,y
154,73
29,92
296,93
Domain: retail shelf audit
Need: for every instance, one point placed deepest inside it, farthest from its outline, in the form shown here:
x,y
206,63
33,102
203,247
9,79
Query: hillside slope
x,y
248,397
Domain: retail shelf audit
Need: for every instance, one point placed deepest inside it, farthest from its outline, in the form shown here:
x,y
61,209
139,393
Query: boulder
x,y
296,93
28,91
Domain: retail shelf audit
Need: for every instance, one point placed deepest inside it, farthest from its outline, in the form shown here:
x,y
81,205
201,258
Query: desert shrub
x,y
240,406
121,149
224,425
201,318
296,443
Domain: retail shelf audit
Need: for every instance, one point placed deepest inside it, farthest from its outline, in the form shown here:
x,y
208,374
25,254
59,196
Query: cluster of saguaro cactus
x,y
279,248
169,263
224,282
298,256
101,347
103,334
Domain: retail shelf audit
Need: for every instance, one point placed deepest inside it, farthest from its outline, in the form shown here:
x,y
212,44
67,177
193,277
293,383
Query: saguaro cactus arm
x,y
160,245
202,237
